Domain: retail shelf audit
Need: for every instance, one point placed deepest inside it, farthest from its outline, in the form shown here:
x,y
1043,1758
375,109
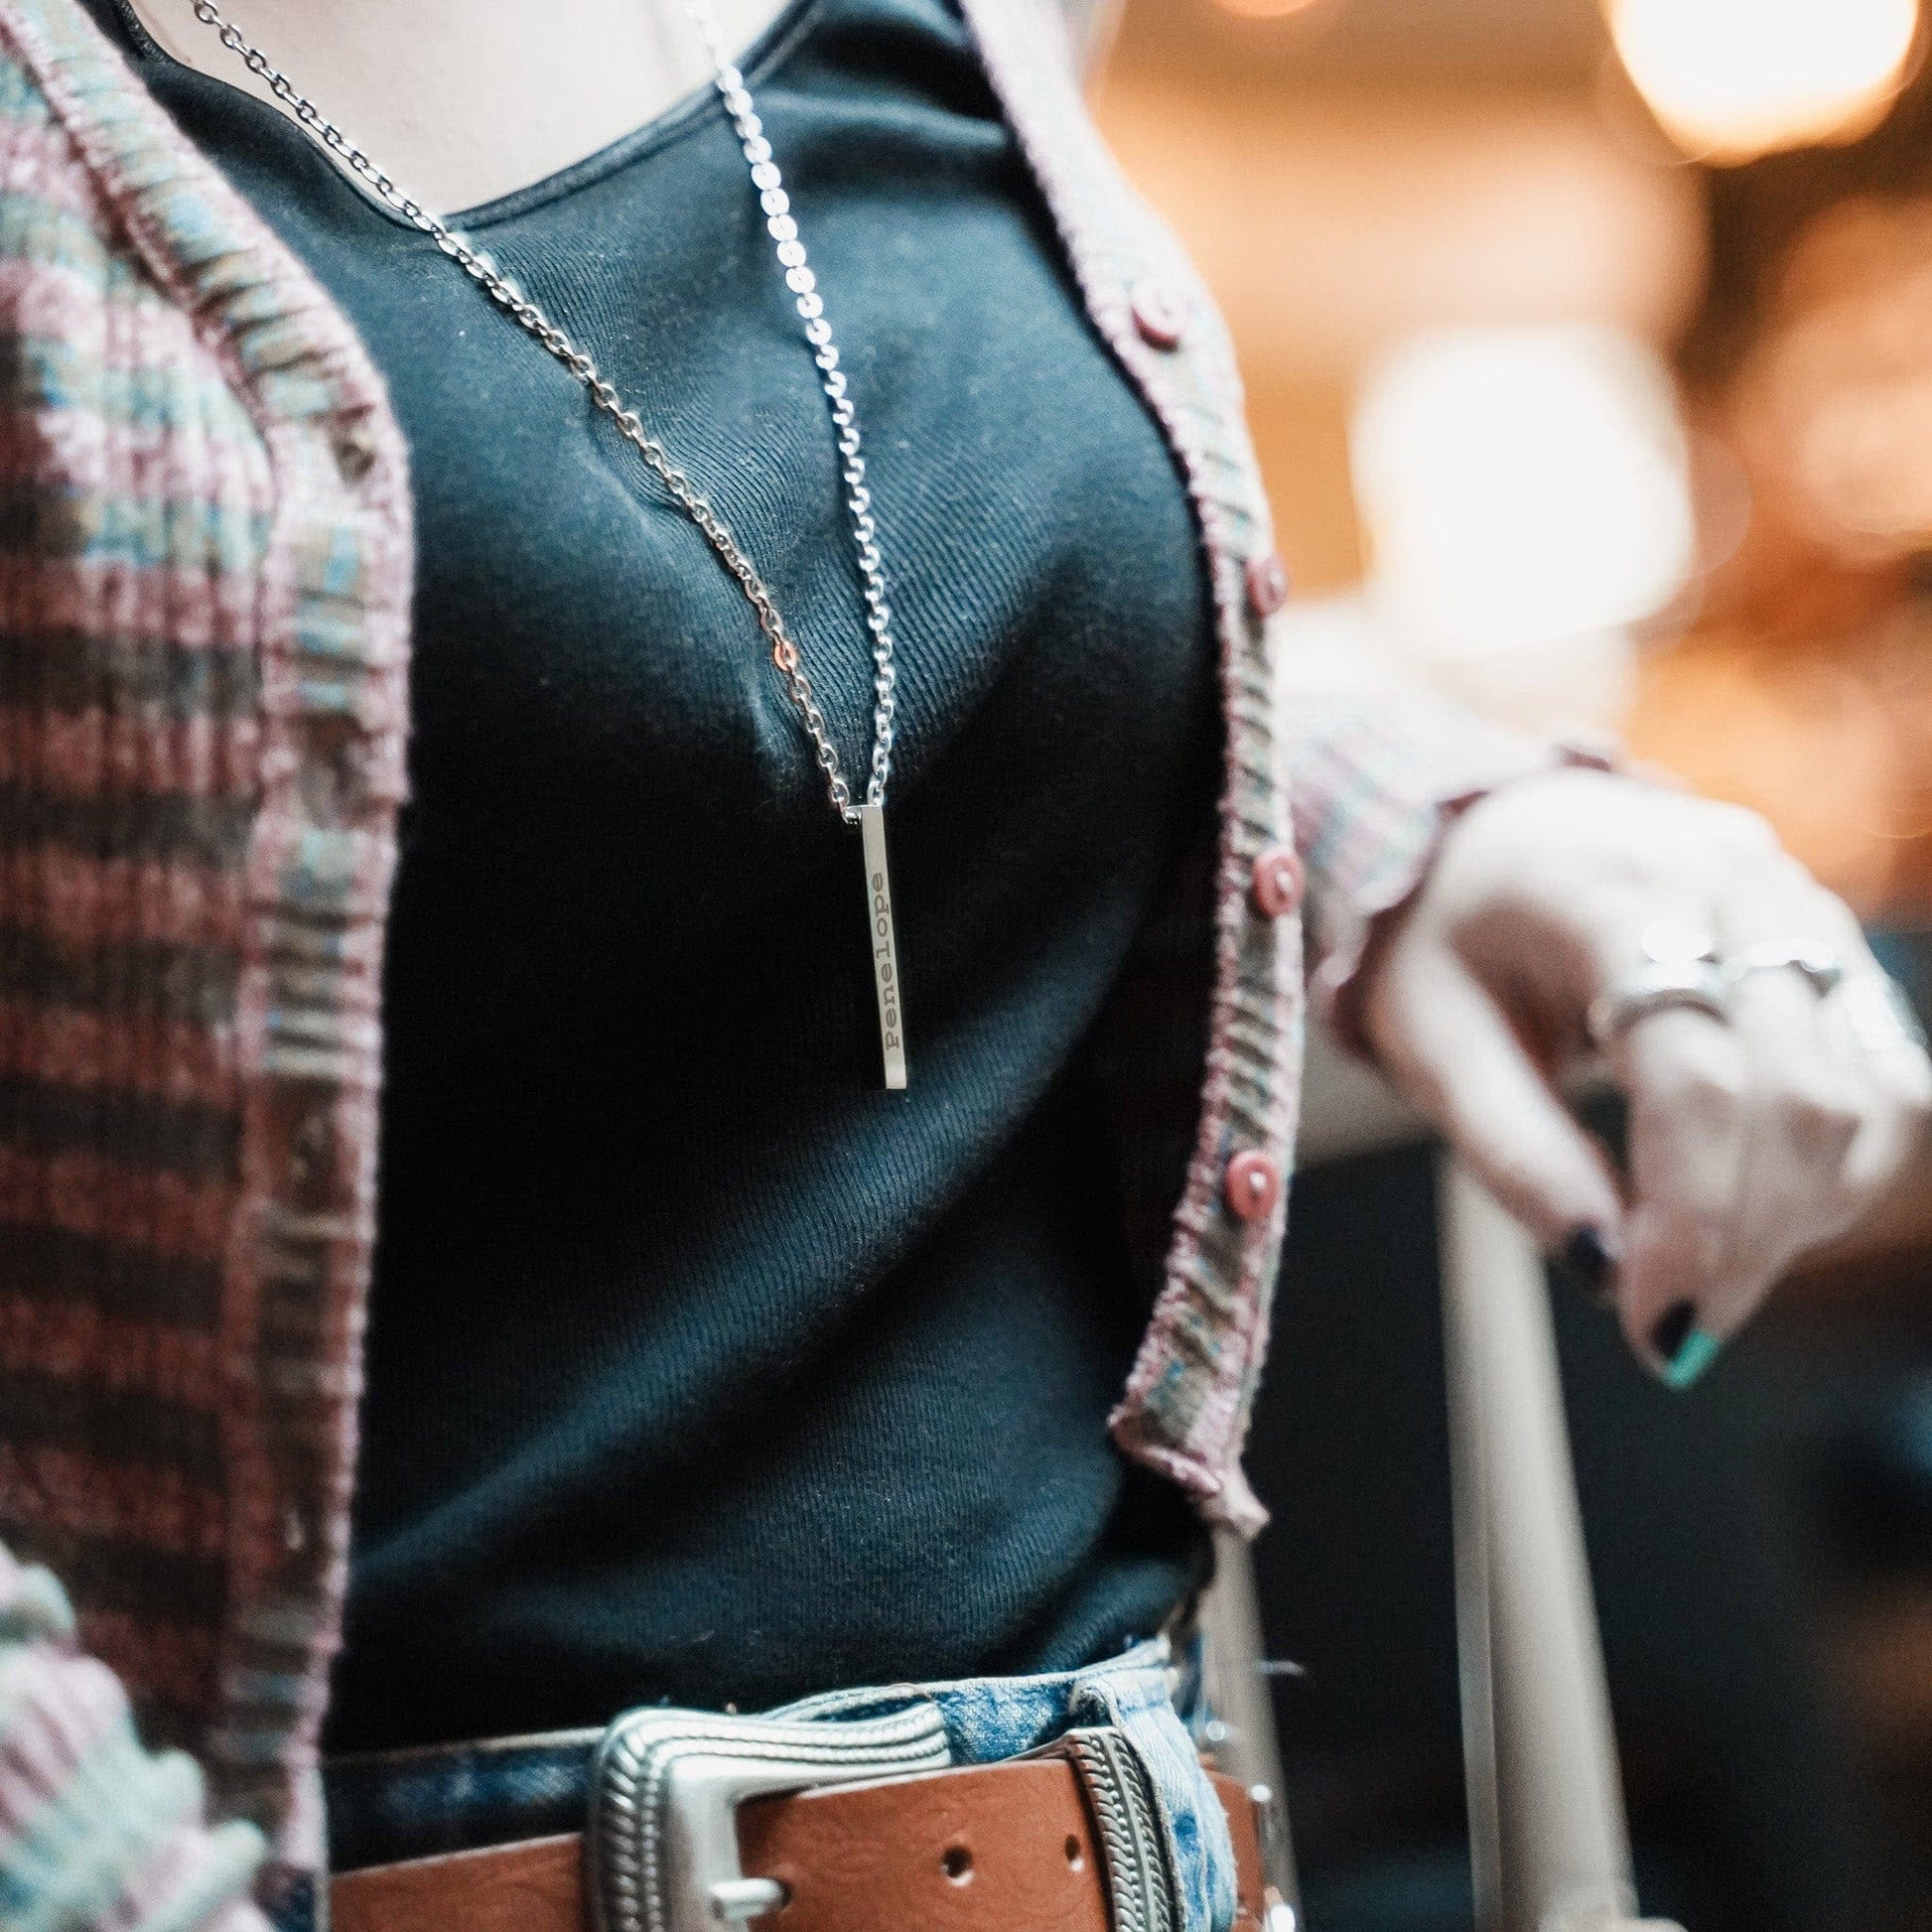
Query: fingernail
x,y
1586,1259
1683,1348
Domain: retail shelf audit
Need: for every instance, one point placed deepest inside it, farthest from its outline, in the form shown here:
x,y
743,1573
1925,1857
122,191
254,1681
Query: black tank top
x,y
699,1368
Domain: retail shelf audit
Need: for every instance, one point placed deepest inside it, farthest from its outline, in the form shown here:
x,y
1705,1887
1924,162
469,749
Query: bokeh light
x,y
1521,486
1268,9
1730,80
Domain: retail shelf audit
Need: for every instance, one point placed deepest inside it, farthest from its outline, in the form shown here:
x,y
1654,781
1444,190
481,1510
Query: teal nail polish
x,y
1697,1351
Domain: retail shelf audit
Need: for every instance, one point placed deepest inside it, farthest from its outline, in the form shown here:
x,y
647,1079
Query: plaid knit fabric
x,y
205,568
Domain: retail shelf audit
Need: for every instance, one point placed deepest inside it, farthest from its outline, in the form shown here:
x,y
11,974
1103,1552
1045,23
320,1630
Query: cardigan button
x,y
1158,313
1267,579
1252,1186
1277,881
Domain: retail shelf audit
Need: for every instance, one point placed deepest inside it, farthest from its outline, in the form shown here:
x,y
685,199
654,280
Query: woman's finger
x,y
1899,1075
1807,1104
1863,1033
1807,1097
1757,1140
1455,1054
1689,1092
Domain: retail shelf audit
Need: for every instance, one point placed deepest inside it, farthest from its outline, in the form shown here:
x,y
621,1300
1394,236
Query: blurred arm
x,y
1378,773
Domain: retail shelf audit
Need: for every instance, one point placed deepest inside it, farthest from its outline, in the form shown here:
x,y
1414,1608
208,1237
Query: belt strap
x,y
994,1847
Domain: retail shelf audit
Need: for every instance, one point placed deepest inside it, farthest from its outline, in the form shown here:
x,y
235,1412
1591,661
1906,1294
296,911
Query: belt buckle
x,y
665,1787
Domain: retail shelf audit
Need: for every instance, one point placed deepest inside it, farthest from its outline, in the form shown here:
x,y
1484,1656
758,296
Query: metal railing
x,y
1550,1845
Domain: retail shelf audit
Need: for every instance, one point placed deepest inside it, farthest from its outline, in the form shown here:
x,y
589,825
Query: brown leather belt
x,y
996,1848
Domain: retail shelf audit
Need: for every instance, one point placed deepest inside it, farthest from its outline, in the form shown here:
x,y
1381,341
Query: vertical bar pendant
x,y
884,944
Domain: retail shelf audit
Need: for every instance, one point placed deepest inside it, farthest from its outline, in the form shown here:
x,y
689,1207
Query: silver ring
x,y
1701,985
1811,959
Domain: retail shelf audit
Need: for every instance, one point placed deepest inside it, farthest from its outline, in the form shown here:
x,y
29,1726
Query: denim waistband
x,y
409,1804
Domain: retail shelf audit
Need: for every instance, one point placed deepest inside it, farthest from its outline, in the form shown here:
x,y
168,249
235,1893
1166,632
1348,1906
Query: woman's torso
x,y
699,1368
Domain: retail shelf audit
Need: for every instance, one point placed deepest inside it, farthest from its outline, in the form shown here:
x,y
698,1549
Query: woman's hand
x,y
1750,1139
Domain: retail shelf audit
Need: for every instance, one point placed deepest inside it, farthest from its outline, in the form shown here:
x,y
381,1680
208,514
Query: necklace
x,y
868,814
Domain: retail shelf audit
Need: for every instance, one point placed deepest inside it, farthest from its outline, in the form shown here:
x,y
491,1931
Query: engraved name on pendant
x,y
885,945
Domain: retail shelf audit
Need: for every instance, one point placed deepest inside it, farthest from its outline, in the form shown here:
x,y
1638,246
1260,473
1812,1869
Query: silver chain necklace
x,y
783,227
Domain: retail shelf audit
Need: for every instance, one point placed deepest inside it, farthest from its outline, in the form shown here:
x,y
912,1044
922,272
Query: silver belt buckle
x,y
665,1787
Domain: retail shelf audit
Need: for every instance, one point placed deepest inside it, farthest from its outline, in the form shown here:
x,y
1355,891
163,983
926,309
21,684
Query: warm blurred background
x,y
1590,354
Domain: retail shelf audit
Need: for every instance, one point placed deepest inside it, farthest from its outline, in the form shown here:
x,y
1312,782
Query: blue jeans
x,y
410,1804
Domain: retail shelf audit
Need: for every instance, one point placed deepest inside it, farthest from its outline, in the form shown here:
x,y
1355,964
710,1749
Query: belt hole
x,y
957,1863
1077,1858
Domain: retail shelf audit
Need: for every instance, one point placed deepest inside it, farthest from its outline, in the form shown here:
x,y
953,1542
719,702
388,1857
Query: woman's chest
x,y
600,735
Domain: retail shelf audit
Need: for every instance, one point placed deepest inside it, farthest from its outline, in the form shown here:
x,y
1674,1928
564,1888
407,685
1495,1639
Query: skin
x,y
1750,1143
465,100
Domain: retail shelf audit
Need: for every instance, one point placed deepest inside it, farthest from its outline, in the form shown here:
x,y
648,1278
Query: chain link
x,y
783,227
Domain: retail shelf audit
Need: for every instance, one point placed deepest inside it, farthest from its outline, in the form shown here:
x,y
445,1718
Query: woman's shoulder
x,y
107,206
101,358
87,159
49,78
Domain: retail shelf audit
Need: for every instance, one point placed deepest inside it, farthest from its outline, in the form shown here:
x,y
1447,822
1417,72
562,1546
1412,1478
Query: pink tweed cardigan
x,y
204,601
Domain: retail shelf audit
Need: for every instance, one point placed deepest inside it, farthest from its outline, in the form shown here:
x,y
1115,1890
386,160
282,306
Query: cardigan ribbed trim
x,y
244,761
1184,1412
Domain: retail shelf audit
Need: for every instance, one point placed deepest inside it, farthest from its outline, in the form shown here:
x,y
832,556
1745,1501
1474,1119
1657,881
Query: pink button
x,y
1278,879
1158,313
1253,1184
1267,584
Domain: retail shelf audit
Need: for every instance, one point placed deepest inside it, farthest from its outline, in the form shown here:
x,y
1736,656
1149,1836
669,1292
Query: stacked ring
x,y
1681,968
1656,987
1814,961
